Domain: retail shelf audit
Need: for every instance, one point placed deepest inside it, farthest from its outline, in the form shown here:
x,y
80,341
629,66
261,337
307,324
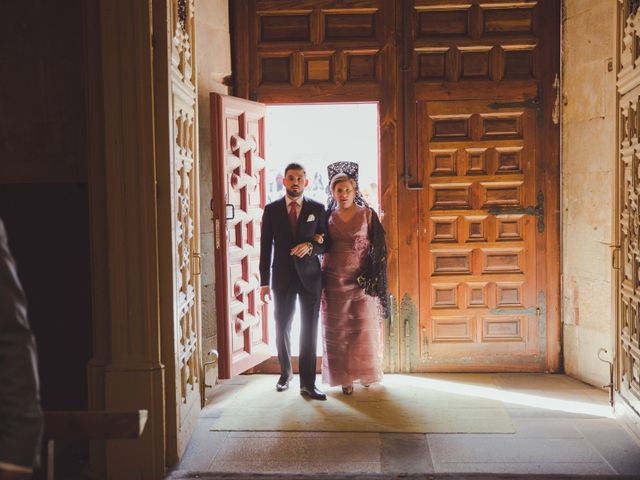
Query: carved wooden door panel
x,y
487,218
239,184
479,249
628,321
178,216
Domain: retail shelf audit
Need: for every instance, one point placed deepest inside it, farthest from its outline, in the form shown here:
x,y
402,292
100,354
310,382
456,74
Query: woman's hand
x,y
318,238
302,249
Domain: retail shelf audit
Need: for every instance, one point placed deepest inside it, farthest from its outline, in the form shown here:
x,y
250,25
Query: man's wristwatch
x,y
310,248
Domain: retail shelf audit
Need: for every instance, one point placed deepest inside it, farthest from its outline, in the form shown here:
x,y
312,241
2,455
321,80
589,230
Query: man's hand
x,y
265,294
319,238
302,249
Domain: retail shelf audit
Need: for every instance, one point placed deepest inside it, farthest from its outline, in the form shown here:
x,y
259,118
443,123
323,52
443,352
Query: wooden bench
x,y
86,425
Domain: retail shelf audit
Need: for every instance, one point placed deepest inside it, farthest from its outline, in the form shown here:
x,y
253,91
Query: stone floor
x,y
562,427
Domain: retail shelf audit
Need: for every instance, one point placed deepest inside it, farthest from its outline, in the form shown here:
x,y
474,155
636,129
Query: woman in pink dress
x,y
354,286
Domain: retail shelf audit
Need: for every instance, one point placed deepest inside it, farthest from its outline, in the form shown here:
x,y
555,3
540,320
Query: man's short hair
x,y
294,166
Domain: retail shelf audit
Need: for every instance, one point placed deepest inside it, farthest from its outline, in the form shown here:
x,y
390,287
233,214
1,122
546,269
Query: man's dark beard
x,y
295,194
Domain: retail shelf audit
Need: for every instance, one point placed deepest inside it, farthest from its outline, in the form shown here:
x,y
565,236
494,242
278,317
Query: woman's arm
x,y
322,231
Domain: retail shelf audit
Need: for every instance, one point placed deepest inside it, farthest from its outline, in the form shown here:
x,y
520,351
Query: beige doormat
x,y
401,403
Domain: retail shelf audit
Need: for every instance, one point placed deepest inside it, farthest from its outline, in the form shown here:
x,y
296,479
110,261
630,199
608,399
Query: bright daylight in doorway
x,y
315,136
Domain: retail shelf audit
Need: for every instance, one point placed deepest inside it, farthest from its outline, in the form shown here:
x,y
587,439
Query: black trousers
x,y
284,306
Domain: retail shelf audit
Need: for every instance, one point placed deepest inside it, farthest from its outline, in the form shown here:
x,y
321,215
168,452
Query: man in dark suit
x,y
20,414
288,228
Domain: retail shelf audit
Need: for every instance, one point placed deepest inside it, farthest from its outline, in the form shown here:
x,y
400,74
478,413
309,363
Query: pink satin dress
x,y
351,323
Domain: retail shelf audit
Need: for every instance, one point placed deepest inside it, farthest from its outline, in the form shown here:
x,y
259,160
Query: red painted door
x,y
238,200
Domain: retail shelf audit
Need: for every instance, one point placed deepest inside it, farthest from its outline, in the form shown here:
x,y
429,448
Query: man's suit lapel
x,y
304,212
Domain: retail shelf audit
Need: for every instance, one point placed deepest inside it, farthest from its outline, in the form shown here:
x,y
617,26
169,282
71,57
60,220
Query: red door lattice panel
x,y
239,180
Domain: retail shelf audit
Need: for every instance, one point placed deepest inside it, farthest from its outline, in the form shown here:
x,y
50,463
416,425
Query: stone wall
x,y
213,60
588,160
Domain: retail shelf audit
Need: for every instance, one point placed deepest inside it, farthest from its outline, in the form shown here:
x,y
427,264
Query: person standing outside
x,y
289,225
21,420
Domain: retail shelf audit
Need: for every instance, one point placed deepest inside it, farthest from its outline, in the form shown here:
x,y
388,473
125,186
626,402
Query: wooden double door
x,y
468,106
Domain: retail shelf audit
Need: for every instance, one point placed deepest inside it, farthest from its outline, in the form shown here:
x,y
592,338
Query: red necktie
x,y
293,215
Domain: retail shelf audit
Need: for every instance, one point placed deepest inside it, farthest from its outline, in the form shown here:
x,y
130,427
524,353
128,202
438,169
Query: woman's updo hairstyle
x,y
343,177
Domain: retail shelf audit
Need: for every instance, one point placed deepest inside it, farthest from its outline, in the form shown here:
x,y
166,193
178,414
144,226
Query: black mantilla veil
x,y
350,169
373,278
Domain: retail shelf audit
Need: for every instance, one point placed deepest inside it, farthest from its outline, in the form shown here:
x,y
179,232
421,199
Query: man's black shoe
x,y
312,392
283,384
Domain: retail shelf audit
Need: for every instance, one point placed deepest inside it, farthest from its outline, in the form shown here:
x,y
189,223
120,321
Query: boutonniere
x,y
311,218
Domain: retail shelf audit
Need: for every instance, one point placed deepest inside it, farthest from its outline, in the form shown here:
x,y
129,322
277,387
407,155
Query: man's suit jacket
x,y
276,236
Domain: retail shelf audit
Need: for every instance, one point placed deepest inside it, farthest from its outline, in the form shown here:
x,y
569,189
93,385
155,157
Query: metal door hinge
x,y
516,311
538,211
534,103
538,311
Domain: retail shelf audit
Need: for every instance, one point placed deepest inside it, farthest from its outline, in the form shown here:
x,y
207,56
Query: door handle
x,y
230,211
537,211
615,257
197,270
407,327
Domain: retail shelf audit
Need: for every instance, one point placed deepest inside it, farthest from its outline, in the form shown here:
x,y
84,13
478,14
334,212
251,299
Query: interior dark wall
x,y
48,232
42,115
43,189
